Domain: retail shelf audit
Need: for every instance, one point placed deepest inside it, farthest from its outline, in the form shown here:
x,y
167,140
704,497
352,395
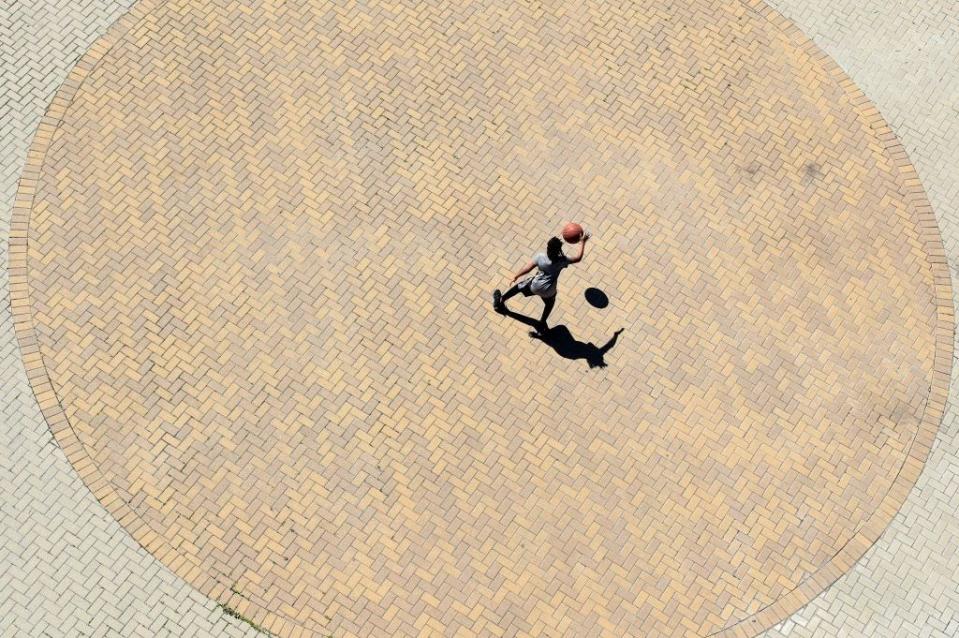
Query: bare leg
x,y
512,292
499,299
548,303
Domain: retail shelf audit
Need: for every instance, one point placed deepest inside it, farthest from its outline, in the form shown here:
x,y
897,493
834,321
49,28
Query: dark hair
x,y
554,248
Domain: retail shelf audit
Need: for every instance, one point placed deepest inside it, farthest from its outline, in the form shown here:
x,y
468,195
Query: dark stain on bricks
x,y
812,172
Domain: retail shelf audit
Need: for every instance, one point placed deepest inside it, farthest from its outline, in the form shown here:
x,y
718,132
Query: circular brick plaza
x,y
251,265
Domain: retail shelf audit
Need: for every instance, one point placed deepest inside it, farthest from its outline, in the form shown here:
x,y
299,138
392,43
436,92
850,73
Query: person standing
x,y
544,283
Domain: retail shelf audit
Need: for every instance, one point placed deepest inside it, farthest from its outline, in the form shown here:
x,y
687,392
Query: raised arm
x,y
582,248
525,270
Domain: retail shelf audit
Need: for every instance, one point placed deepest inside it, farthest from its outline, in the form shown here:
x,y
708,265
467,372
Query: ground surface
x,y
250,281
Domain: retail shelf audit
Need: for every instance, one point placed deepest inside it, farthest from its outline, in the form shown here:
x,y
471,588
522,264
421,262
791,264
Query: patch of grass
x,y
232,613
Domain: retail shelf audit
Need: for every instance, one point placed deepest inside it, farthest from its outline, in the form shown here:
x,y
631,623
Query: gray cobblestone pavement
x,y
71,570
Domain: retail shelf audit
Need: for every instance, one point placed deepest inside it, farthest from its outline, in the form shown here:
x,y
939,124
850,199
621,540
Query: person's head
x,y
554,248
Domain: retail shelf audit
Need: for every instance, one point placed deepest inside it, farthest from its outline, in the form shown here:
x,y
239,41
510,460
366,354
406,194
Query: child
x,y
544,282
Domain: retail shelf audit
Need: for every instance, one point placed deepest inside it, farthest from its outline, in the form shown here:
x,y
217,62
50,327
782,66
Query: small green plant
x,y
229,611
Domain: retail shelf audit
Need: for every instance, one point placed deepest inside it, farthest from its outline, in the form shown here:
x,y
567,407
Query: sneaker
x,y
498,305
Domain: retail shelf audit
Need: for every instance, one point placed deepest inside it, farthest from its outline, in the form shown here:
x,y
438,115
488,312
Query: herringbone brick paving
x,y
620,346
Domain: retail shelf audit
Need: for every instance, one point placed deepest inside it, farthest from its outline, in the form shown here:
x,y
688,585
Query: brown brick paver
x,y
250,266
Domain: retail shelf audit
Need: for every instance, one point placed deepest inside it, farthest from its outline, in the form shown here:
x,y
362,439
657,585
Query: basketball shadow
x,y
562,341
596,298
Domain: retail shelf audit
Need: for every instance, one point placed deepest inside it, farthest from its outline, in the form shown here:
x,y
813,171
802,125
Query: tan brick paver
x,y
251,267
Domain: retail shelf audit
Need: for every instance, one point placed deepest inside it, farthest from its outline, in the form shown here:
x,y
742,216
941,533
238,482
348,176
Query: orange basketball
x,y
572,232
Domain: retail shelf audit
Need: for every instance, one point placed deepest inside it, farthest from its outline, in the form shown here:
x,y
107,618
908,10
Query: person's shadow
x,y
560,339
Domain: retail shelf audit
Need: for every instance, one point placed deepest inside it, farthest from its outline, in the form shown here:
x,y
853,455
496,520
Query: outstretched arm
x,y
582,248
525,270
